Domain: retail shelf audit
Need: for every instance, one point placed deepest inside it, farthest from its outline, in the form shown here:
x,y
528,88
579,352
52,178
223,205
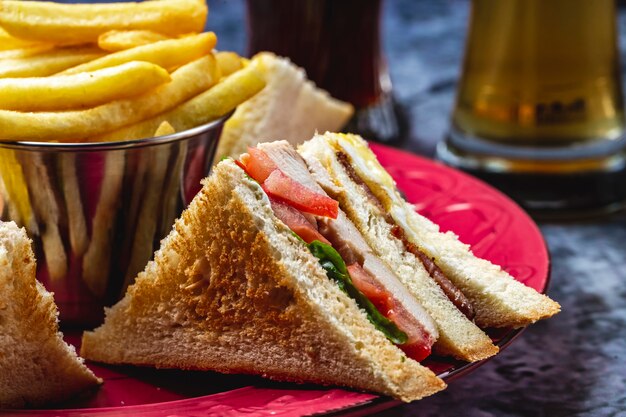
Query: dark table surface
x,y
572,364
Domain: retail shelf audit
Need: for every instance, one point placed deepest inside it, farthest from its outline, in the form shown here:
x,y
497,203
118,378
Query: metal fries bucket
x,y
97,211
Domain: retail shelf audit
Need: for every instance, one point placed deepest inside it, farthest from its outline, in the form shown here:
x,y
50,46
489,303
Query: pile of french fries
x,y
106,73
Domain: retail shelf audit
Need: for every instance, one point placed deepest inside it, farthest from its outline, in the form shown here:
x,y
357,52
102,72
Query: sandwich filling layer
x,y
316,219
455,295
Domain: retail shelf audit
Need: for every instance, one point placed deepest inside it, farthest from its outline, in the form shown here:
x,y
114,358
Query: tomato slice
x,y
241,165
297,222
285,189
416,351
258,165
419,343
276,184
365,283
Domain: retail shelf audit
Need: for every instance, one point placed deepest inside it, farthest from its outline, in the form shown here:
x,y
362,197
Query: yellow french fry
x,y
219,100
97,259
25,52
187,82
165,128
210,105
228,62
156,158
80,91
171,189
169,54
45,203
47,63
120,40
8,42
146,204
15,186
82,23
76,222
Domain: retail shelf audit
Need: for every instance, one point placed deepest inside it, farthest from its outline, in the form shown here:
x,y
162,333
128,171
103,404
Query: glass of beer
x,y
338,43
539,109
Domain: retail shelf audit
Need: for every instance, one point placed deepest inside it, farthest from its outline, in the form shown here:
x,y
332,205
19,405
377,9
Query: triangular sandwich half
x,y
458,335
290,107
233,289
36,366
351,173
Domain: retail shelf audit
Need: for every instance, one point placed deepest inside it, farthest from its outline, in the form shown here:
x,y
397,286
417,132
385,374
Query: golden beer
x,y
541,73
539,104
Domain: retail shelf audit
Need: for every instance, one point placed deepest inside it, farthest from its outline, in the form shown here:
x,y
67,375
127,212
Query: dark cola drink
x,y
338,43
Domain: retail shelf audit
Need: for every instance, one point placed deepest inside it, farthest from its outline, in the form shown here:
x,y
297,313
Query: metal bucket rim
x,y
124,144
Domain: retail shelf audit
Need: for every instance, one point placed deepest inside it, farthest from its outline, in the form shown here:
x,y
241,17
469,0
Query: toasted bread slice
x,y
458,336
498,299
36,366
290,107
233,290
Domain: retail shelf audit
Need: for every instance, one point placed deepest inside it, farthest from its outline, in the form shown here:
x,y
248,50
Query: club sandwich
x,y
269,271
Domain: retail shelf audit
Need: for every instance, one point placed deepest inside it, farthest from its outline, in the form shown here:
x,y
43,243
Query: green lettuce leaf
x,y
336,270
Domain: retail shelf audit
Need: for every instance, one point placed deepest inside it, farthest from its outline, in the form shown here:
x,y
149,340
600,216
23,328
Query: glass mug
x,y
337,42
539,109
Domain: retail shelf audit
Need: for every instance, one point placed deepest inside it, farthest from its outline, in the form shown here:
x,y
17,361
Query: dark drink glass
x,y
338,43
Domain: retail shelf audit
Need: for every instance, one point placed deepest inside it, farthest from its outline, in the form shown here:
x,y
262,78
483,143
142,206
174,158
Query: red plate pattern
x,y
495,227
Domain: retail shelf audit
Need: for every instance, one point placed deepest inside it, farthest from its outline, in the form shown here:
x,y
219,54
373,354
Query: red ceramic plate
x,y
495,227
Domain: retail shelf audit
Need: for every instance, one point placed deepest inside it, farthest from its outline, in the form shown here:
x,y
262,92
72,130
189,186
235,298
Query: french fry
x,y
141,178
207,106
143,243
16,190
172,190
82,90
228,62
119,40
138,164
82,23
96,262
11,210
171,185
219,100
47,211
169,54
8,42
25,52
165,128
47,63
187,81
144,209
79,241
